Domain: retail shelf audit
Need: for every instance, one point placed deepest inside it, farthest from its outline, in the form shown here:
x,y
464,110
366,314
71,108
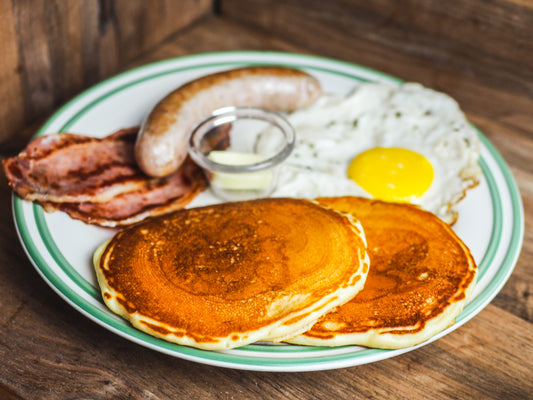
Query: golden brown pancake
x,y
222,276
421,275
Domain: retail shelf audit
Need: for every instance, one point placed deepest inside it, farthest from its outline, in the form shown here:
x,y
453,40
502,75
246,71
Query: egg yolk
x,y
392,174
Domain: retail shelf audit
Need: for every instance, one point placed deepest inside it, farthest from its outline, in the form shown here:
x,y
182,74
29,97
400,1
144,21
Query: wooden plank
x,y
33,46
12,110
488,41
51,50
144,24
217,34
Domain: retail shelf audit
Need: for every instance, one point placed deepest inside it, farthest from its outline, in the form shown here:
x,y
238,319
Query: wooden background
x,y
479,51
489,42
51,50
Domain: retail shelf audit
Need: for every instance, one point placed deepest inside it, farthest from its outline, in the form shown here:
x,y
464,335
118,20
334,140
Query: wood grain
x,y
490,42
11,117
48,350
51,50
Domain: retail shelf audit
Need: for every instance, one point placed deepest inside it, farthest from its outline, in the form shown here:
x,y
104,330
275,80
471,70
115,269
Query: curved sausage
x,y
161,146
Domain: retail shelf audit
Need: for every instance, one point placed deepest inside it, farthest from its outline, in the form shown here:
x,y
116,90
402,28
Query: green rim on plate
x,y
85,297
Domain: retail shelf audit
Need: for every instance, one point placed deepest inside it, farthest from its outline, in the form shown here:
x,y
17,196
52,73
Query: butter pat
x,y
256,180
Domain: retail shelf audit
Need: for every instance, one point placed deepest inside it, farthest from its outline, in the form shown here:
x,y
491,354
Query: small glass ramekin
x,y
240,150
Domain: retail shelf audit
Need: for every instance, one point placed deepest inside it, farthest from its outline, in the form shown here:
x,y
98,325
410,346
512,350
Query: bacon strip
x,y
151,198
97,180
75,168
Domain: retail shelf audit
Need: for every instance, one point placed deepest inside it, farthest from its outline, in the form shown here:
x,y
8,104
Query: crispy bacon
x,y
75,168
151,197
97,180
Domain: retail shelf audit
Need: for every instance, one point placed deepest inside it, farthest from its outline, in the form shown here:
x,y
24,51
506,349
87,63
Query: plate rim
x,y
225,359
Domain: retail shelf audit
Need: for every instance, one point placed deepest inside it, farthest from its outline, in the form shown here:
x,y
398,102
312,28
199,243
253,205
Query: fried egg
x,y
399,143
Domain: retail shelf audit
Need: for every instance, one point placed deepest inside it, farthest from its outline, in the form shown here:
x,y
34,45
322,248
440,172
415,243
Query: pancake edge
x,y
376,339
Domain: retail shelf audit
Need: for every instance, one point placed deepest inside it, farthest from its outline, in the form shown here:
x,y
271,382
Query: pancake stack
x,y
226,275
331,272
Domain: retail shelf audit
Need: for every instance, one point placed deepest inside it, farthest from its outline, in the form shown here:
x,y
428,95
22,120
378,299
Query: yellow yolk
x,y
392,174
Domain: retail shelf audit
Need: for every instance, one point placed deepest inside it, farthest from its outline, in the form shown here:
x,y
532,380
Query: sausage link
x,y
161,146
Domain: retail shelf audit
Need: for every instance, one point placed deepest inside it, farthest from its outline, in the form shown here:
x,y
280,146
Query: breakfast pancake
x,y
226,275
421,276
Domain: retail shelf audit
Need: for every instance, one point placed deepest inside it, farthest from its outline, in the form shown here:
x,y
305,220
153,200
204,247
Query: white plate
x,y
491,216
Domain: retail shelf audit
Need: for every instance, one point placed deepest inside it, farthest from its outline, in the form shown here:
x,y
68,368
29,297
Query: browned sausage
x,y
161,146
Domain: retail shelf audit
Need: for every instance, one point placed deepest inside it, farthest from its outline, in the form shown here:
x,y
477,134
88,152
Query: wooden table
x,y
50,351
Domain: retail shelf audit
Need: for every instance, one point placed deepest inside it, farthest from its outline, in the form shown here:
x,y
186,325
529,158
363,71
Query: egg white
x,y
335,129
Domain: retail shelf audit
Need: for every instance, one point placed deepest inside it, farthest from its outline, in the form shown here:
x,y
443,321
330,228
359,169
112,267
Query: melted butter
x,y
256,180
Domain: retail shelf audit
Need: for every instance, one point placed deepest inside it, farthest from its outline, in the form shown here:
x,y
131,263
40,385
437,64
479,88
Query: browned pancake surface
x,y
228,270
419,268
